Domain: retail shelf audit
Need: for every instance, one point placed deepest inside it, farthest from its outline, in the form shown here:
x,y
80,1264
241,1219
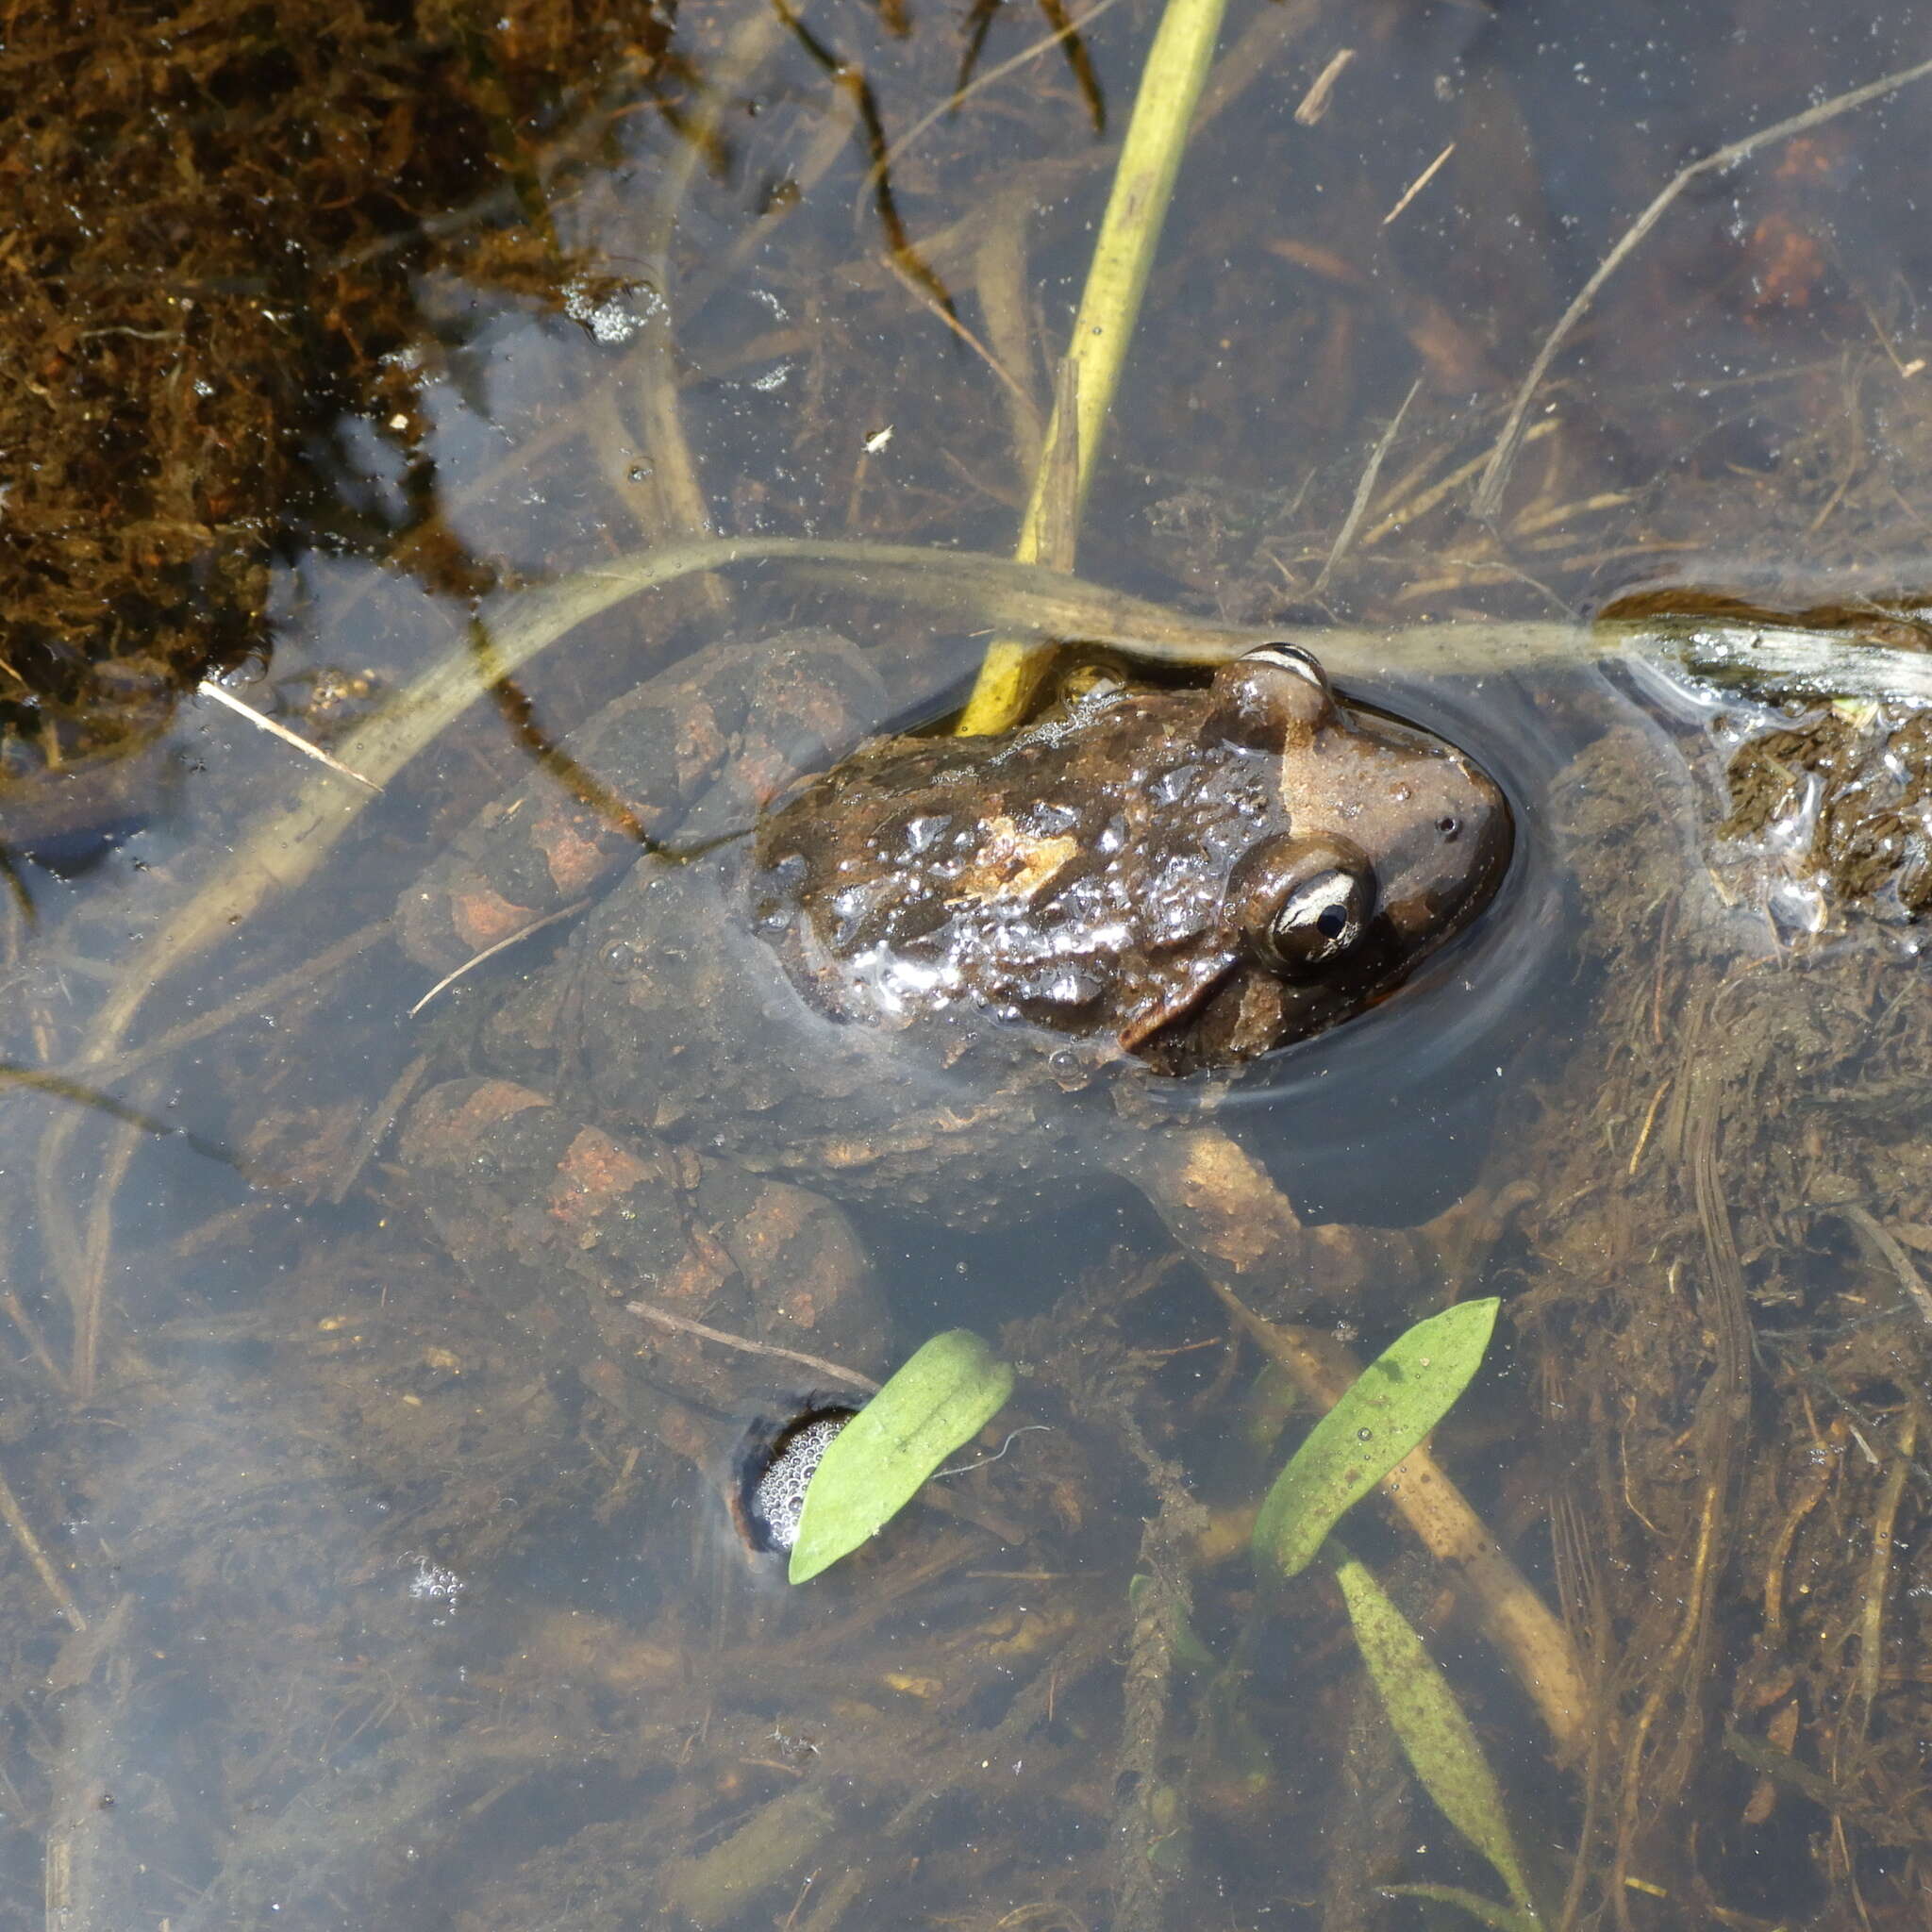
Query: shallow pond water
x,y
348,1581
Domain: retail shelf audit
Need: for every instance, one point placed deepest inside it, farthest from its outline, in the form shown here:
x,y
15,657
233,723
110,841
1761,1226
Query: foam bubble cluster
x,y
778,1499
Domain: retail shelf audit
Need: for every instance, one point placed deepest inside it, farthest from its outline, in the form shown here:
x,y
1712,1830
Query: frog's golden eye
x,y
1302,904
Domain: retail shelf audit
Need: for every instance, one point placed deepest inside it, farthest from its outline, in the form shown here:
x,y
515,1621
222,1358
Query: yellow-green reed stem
x,y
1171,82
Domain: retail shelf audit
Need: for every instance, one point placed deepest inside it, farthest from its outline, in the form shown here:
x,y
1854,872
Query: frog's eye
x,y
1272,696
1292,659
1302,904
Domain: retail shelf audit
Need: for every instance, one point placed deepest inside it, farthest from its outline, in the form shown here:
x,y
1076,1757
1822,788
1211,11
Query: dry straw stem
x,y
1489,496
1531,1638
1171,84
262,722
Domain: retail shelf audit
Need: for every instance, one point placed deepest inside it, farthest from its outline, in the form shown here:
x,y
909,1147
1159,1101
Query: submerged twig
x,y
1364,489
1147,1814
850,80
90,1304
51,1580
369,1137
1421,181
262,722
35,1342
1321,94
1489,496
684,1325
896,149
501,945
1878,1571
1874,1234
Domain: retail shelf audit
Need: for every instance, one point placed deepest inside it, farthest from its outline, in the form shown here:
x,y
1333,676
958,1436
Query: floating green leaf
x,y
1439,1740
942,1397
1389,1407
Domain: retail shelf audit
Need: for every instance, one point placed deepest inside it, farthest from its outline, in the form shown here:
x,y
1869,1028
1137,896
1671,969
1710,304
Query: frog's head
x,y
1385,842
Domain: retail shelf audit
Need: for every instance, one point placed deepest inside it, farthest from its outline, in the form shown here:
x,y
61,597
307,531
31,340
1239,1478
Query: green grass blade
x,y
1389,1409
1439,1740
943,1395
1176,69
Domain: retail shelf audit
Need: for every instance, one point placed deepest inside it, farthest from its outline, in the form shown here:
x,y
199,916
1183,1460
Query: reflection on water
x,y
366,1558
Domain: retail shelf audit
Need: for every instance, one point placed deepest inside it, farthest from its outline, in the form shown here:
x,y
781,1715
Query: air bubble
x,y
774,1493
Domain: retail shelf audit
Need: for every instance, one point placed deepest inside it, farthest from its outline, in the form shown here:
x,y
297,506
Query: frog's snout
x,y
1475,835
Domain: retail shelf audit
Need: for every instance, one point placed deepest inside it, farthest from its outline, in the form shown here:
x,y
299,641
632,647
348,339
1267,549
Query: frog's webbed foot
x,y
1226,1211
563,1225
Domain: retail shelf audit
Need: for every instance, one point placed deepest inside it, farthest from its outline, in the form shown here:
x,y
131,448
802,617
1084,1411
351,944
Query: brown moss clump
x,y
219,213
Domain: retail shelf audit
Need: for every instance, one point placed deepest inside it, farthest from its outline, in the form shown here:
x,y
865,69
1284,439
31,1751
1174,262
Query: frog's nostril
x,y
1449,827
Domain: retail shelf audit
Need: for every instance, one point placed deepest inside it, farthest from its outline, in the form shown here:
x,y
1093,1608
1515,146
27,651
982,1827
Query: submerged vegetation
x,y
324,1593
231,242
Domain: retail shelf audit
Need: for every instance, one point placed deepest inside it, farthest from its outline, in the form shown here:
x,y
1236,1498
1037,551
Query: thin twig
x,y
1878,1571
517,938
369,1137
1875,1236
1319,96
249,1004
1363,490
926,299
684,1325
262,722
1421,181
1488,496
30,1334
91,1310
953,102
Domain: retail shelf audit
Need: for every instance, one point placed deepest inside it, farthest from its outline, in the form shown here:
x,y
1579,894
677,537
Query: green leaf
x,y
1439,1740
942,1397
1485,1911
1389,1407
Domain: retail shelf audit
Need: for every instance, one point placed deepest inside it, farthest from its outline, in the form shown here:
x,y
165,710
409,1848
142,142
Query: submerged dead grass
x,y
1717,1291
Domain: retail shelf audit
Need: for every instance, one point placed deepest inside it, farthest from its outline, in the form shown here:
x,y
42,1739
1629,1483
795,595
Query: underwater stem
x,y
1171,84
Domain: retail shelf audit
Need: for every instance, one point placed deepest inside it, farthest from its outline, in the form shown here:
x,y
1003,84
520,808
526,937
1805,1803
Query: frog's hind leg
x,y
691,754
564,1225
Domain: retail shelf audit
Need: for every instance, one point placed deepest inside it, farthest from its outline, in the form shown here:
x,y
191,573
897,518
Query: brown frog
x,y
947,976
